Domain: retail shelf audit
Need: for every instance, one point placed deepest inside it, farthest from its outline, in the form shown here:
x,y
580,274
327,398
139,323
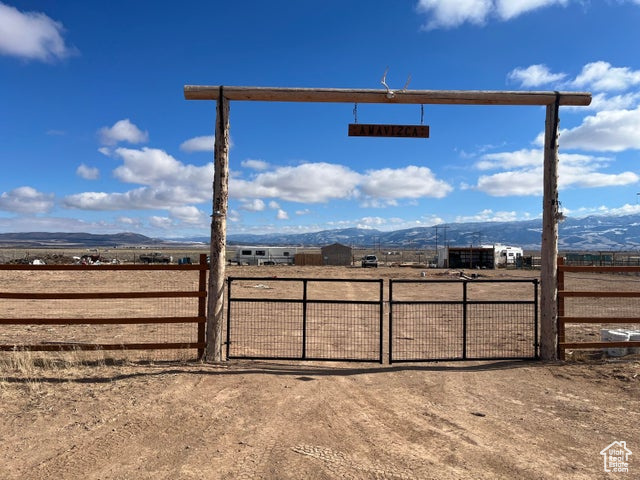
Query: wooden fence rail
x,y
564,319
198,317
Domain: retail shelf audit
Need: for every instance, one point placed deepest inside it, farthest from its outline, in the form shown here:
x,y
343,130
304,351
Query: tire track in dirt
x,y
124,440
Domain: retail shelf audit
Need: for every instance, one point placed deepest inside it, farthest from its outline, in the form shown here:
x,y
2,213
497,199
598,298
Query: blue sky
x,y
96,136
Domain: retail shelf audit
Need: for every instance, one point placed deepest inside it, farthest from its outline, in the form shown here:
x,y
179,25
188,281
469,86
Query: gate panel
x,y
301,319
490,319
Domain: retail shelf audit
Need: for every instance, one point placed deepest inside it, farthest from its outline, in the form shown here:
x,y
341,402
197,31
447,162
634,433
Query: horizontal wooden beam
x,y
99,295
339,95
100,321
621,320
575,345
598,269
567,294
65,347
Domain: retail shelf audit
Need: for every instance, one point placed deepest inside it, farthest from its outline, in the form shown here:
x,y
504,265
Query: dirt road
x,y
260,420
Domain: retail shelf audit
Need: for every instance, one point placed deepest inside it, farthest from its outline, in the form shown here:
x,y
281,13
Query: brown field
x,y
153,415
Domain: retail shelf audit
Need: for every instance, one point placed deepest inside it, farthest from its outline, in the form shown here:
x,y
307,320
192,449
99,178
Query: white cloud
x,y
282,215
255,205
167,183
626,209
601,101
524,177
26,200
609,130
88,173
164,223
31,35
489,215
122,131
321,182
508,9
408,182
255,164
130,222
106,151
199,144
152,166
188,214
602,76
449,14
517,159
309,182
306,211
453,13
534,76
274,205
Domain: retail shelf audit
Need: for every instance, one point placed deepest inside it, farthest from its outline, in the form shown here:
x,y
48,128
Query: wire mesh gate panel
x,y
305,319
462,320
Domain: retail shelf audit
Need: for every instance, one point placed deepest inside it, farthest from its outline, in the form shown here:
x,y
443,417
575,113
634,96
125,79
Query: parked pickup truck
x,y
369,261
155,257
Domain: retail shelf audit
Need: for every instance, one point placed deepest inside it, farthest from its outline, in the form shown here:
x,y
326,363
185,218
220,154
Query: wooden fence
x,y
198,317
564,319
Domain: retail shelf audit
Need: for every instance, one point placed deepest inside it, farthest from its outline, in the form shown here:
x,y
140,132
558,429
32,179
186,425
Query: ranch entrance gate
x,y
296,319
550,207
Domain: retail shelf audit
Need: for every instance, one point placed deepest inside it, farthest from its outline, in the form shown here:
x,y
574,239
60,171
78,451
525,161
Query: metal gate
x,y
462,320
305,319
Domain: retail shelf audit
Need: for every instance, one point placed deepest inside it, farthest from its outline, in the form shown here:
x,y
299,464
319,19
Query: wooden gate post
x,y
549,247
213,351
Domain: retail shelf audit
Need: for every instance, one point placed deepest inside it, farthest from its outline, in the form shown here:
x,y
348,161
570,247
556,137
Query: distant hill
x,y
584,234
580,234
64,240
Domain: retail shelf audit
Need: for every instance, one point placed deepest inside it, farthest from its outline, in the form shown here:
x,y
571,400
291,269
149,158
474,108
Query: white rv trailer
x,y
507,255
262,255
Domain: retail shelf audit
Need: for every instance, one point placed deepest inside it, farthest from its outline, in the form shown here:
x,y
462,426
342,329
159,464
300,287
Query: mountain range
x,y
594,233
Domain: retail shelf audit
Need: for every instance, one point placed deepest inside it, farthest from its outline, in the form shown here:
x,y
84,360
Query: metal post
x,y
464,320
304,319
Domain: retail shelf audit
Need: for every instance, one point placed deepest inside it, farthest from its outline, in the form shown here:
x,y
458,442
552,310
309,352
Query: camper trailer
x,y
506,255
264,255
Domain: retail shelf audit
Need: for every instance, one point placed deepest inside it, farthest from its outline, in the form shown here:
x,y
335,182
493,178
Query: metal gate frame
x,y
305,302
465,303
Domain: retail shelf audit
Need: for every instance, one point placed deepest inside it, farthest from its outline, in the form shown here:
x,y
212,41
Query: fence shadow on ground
x,y
303,372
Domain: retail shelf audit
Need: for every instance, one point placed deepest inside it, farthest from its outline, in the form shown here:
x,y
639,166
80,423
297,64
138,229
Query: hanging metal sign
x,y
377,130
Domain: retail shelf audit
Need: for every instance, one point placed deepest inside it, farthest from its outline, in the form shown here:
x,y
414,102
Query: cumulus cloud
x,y
255,164
408,182
321,182
282,215
188,214
453,13
609,130
534,76
255,205
602,76
166,183
26,200
199,144
309,182
31,35
523,173
489,215
122,131
88,173
164,223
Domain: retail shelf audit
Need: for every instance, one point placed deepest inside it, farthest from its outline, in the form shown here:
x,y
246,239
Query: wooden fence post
x,y
549,250
218,232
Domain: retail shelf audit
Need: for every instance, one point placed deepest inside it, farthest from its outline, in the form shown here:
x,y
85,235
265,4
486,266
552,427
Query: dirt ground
x,y
99,416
